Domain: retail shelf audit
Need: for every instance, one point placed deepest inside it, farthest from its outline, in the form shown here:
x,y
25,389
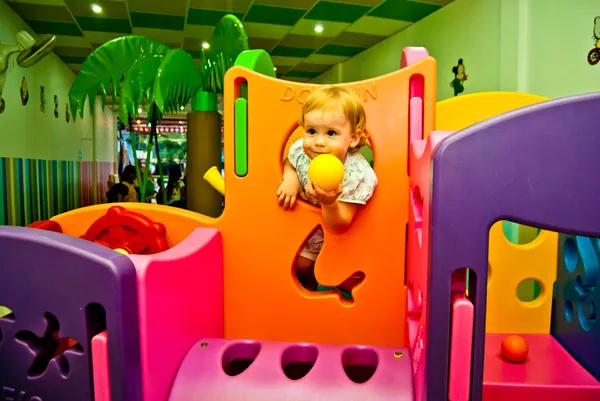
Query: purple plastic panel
x,y
55,283
230,370
538,166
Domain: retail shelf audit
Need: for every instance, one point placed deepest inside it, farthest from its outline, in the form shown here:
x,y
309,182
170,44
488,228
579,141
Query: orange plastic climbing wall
x,y
261,240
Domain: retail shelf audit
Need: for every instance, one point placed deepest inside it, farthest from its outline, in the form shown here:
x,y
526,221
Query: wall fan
x,y
30,51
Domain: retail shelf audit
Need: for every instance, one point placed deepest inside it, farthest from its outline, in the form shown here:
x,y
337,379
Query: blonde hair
x,y
351,105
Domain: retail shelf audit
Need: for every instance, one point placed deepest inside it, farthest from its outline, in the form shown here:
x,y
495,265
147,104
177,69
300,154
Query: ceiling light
x,y
205,45
318,28
182,108
96,8
140,110
274,68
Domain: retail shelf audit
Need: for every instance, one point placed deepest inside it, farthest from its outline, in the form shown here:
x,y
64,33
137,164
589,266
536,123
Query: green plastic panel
x,y
256,60
241,137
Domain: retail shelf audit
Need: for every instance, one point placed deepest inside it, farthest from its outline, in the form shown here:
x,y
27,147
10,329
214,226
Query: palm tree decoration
x,y
163,78
104,70
136,90
229,39
201,85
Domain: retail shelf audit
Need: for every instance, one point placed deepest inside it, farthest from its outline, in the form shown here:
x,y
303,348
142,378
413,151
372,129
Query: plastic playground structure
x,y
141,302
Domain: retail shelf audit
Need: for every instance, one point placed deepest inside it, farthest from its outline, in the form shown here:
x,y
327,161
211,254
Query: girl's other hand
x,y
288,192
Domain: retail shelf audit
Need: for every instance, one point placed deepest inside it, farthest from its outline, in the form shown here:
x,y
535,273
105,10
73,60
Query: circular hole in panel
x,y
569,311
239,356
518,233
586,311
367,153
570,255
589,259
360,363
298,360
529,290
296,132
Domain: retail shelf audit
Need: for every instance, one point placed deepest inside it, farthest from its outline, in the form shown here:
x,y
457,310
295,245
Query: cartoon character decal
x,y
594,54
56,106
67,113
24,92
42,99
459,77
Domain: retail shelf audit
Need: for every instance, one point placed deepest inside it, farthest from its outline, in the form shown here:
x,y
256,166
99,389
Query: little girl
x,y
334,121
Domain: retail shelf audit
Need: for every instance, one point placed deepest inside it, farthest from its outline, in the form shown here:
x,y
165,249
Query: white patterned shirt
x,y
359,178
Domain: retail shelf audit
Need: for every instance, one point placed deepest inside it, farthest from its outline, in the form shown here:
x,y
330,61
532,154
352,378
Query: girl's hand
x,y
288,192
322,196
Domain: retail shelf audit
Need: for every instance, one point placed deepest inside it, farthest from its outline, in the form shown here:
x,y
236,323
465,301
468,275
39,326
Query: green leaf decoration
x,y
177,79
205,67
138,84
106,66
229,39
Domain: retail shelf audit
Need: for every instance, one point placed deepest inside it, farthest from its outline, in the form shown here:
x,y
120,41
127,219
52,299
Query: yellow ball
x,y
327,171
121,250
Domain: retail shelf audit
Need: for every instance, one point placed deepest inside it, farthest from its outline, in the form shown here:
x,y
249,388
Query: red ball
x,y
515,349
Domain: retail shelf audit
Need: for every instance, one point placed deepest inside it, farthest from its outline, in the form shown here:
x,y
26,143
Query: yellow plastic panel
x,y
511,264
462,111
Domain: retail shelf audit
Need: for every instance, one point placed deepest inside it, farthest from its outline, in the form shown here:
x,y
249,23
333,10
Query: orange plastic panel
x,y
262,300
261,240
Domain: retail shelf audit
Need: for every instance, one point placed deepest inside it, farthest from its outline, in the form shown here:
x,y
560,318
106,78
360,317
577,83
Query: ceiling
x,y
284,28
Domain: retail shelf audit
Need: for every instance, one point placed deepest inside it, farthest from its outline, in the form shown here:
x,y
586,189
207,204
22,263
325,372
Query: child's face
x,y
130,177
328,131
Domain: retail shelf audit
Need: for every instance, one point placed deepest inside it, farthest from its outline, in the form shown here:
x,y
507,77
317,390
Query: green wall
x,y
532,46
468,29
558,40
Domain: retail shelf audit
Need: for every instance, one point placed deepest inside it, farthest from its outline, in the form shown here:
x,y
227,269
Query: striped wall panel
x,y
32,190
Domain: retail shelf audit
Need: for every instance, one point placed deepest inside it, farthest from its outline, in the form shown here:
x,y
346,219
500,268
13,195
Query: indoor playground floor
x,y
550,373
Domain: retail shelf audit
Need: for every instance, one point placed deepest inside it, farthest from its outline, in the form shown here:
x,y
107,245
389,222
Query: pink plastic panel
x,y
411,55
418,245
416,92
461,344
415,127
275,371
549,374
100,367
419,160
180,301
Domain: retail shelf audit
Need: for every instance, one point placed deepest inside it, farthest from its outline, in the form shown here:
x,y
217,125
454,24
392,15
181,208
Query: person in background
x,y
175,189
117,193
128,177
